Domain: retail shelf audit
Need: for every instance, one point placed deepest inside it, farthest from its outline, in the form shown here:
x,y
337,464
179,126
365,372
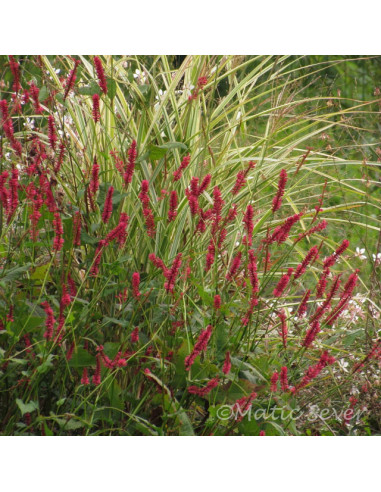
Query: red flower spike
x,y
135,285
97,257
49,322
249,224
97,374
34,92
135,335
194,390
217,302
132,153
173,200
282,284
96,111
234,267
311,256
184,164
303,304
58,241
277,201
15,69
274,381
107,208
311,334
283,379
94,181
199,347
172,273
227,364
204,184
52,132
71,79
101,74
330,261
85,378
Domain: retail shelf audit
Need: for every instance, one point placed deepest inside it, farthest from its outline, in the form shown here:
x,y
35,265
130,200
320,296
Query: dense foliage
x,y
189,246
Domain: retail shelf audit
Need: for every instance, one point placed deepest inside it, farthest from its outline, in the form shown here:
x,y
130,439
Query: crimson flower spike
x,y
107,209
96,111
71,79
184,164
199,347
135,285
172,273
173,200
234,267
249,224
277,201
330,261
101,74
132,153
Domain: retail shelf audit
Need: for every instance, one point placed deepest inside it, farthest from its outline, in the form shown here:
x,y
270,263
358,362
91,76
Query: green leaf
x,y
156,153
43,94
111,88
90,90
26,407
81,359
174,145
16,272
86,239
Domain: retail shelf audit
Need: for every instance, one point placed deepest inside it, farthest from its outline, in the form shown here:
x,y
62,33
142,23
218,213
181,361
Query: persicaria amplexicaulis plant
x,y
154,269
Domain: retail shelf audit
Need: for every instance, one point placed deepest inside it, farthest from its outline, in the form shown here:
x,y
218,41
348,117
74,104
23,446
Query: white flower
x,y
29,125
140,77
213,69
360,253
238,115
377,259
343,364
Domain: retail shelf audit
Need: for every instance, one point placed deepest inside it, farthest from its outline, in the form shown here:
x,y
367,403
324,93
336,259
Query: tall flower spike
x,y
227,364
330,261
283,379
52,132
310,257
282,284
184,164
311,334
49,322
249,224
172,273
15,69
94,181
71,79
199,347
135,285
35,92
58,229
234,267
274,381
132,153
101,74
303,304
277,201
172,213
217,302
96,111
107,208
